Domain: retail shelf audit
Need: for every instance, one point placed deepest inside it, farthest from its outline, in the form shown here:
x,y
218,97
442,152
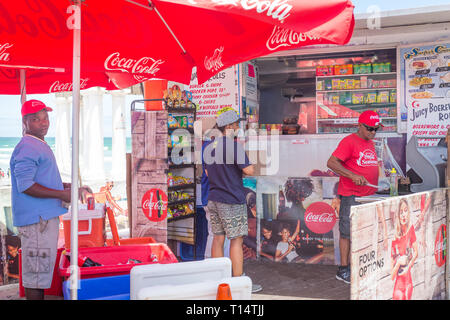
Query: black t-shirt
x,y
224,160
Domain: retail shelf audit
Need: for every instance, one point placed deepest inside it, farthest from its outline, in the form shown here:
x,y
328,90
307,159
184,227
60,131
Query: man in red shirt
x,y
356,162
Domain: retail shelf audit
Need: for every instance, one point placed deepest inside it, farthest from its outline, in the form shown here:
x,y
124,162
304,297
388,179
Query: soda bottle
x,y
281,199
83,261
393,182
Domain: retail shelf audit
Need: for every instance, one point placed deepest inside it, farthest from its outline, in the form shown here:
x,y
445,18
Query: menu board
x,y
218,92
426,90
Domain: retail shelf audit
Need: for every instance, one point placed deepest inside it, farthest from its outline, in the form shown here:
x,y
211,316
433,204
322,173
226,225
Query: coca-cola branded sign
x,y
145,66
320,217
214,63
281,37
154,205
276,9
4,54
440,246
59,86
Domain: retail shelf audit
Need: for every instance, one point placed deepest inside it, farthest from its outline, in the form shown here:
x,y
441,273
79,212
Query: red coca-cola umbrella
x,y
166,39
130,41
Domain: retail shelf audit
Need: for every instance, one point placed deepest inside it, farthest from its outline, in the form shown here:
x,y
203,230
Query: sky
x,y
10,120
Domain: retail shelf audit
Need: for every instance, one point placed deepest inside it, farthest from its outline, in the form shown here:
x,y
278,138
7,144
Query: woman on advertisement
x,y
403,252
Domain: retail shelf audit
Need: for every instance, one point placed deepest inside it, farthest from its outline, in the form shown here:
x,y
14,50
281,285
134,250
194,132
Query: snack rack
x,y
161,163
343,92
181,127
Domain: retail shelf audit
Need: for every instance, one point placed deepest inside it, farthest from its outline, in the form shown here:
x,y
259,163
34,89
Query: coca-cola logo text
x,y
285,38
144,65
277,9
320,217
4,54
214,63
154,205
367,158
59,86
440,246
35,18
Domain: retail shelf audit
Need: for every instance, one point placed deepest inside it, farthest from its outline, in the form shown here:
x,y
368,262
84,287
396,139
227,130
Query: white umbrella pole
x,y
75,152
23,86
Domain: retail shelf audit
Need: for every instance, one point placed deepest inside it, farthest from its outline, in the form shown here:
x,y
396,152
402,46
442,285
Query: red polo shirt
x,y
357,155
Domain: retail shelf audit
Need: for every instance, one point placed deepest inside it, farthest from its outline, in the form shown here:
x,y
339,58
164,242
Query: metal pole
x,y
75,151
23,91
23,86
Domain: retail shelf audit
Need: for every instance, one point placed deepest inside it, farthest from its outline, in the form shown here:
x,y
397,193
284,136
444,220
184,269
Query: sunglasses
x,y
370,129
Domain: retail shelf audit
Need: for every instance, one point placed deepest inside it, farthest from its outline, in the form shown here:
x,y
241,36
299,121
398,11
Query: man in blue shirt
x,y
37,194
225,163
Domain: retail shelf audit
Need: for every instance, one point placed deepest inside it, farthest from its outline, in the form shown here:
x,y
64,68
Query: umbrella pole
x,y
75,151
23,86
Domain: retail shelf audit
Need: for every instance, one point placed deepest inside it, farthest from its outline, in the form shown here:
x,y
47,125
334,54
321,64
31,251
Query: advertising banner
x,y
399,248
218,92
425,101
297,219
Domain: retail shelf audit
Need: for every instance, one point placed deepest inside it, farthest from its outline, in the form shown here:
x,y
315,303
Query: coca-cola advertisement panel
x,y
399,248
298,220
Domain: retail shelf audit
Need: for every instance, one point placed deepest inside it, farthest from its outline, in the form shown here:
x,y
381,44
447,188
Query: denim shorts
x,y
39,247
344,215
228,219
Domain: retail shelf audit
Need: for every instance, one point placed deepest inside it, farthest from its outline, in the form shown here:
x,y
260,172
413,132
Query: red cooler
x,y
91,226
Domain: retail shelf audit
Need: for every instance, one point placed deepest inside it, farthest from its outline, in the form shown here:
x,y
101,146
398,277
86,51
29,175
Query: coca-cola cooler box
x,y
91,226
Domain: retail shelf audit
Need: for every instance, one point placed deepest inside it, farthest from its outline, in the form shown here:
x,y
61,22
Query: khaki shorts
x,y
39,248
228,219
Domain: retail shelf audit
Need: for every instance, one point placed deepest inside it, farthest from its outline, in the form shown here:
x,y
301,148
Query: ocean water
x,y
7,145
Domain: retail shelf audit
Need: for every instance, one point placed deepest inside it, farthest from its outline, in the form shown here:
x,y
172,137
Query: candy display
x,y
177,180
177,160
176,98
343,91
179,141
178,121
178,195
348,69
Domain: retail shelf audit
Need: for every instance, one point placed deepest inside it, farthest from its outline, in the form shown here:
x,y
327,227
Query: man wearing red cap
x,y
356,162
37,193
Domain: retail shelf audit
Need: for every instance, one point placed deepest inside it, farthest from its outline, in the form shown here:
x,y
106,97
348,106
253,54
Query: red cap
x,y
33,106
370,118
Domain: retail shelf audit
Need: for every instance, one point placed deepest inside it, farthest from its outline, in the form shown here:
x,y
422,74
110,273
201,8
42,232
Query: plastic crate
x,y
56,286
114,259
130,241
105,288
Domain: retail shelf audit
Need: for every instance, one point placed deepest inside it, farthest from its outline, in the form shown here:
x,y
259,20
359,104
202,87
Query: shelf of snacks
x,y
324,127
181,166
344,91
180,186
182,110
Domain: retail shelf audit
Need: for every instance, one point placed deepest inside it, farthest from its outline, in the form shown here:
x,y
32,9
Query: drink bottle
x,y
393,182
83,261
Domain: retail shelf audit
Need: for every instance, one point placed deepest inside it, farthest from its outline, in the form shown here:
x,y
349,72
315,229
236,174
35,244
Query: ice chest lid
x,y
85,214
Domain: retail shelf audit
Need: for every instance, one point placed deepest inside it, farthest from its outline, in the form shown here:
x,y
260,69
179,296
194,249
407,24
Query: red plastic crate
x,y
56,286
114,259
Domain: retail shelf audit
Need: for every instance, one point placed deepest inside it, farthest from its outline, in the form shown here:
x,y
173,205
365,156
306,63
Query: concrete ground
x,y
280,281
295,281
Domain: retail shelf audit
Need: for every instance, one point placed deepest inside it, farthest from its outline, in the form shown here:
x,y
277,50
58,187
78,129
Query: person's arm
x,y
297,230
249,171
336,165
26,162
39,191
